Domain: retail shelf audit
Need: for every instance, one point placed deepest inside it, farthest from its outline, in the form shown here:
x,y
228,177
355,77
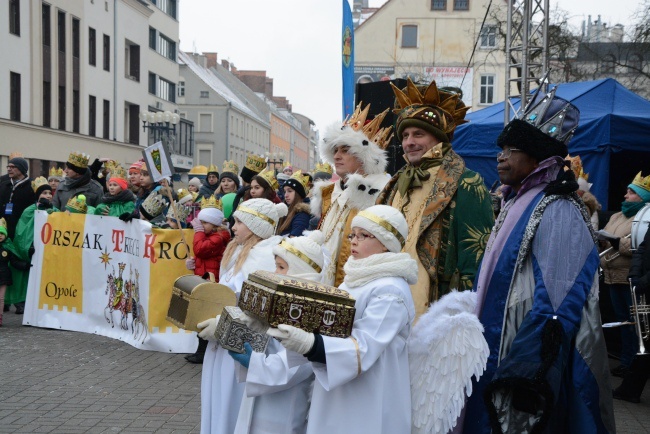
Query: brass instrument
x,y
613,255
641,311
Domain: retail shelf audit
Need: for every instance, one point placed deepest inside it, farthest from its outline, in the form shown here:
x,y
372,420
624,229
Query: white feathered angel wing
x,y
446,348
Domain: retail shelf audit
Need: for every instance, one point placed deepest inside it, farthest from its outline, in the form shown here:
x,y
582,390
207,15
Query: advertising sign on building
x,y
452,76
368,74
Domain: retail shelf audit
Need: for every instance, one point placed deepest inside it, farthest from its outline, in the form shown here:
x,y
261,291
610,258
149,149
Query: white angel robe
x,y
221,393
277,395
365,388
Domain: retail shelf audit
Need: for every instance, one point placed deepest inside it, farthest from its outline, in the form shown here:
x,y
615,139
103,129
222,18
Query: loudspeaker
x,y
380,96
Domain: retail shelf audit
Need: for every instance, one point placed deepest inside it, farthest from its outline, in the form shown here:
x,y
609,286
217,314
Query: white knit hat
x,y
304,255
386,223
211,215
196,182
261,216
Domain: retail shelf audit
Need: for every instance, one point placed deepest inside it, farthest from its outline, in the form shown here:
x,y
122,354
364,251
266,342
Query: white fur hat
x,y
261,216
211,215
584,185
386,223
304,255
371,156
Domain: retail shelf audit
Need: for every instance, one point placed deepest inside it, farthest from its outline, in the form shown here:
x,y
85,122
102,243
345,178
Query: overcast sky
x,y
298,42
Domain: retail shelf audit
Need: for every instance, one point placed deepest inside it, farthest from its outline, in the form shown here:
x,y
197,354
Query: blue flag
x,y
347,64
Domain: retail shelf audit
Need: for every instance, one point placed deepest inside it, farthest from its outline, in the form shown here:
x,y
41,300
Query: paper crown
x,y
211,202
358,122
182,212
298,182
324,168
77,204
255,163
198,170
286,164
117,171
230,167
16,154
213,169
153,205
433,109
56,172
38,183
79,159
184,196
269,176
3,226
642,182
576,166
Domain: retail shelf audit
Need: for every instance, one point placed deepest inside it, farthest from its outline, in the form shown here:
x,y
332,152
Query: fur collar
x,y
316,201
362,190
303,207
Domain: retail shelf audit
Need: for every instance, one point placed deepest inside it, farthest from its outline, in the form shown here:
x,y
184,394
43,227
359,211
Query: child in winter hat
x,y
301,256
260,216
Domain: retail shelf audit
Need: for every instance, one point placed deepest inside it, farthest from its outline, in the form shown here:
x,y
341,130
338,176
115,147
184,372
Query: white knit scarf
x,y
358,272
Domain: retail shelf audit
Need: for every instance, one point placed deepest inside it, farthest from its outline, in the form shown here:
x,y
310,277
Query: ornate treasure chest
x,y
310,306
195,299
232,332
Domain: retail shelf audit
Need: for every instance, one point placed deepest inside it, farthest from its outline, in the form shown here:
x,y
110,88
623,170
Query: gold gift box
x,y
195,299
310,306
231,332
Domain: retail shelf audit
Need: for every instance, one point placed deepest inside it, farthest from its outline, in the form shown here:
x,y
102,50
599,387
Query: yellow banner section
x,y
62,286
168,254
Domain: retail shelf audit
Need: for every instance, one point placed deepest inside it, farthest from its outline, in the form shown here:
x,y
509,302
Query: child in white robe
x,y
250,250
277,396
362,382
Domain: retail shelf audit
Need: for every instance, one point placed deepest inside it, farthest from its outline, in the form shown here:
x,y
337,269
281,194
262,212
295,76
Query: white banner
x,y
99,275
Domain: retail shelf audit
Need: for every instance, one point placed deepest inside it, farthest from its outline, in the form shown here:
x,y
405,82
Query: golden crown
x,y
213,168
230,167
286,164
269,176
255,163
79,159
117,171
211,202
57,172
642,182
3,223
198,170
184,195
372,129
324,167
38,183
77,204
302,179
182,212
576,166
417,103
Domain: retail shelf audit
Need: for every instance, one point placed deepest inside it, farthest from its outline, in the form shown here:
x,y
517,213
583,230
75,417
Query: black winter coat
x,y
23,197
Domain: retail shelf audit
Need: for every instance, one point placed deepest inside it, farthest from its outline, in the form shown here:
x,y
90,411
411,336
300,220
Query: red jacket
x,y
208,251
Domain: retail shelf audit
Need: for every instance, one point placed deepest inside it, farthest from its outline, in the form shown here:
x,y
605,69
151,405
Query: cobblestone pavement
x,y
55,381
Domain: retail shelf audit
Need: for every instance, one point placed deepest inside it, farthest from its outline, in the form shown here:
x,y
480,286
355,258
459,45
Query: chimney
x,y
225,64
211,60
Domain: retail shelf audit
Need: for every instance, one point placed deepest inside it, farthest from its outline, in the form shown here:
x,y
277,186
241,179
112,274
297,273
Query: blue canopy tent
x,y
612,137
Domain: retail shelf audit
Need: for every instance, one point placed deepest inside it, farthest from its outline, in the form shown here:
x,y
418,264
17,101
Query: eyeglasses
x,y
507,153
360,236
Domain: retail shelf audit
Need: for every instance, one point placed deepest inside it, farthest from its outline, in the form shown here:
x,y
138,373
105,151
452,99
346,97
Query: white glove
x,y
253,323
190,263
208,328
292,338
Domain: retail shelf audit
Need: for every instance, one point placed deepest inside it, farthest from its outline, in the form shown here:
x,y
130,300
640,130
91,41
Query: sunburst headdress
x,y
365,139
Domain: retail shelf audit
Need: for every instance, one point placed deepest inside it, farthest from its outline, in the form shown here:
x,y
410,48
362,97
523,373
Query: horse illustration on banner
x,y
124,297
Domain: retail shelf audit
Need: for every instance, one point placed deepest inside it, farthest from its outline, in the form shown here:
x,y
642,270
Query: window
x,y
152,38
132,60
489,37
107,119
14,98
181,88
167,6
487,89
14,17
409,36
62,113
75,38
152,83
75,111
92,47
162,88
61,31
635,62
92,116
132,123
461,5
166,47
205,94
47,104
107,53
47,37
438,5
607,64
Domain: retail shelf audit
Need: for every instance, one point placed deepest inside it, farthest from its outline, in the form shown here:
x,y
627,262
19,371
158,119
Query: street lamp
x,y
273,158
159,121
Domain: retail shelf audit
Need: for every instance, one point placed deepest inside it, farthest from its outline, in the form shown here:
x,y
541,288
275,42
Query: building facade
x,y
78,75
